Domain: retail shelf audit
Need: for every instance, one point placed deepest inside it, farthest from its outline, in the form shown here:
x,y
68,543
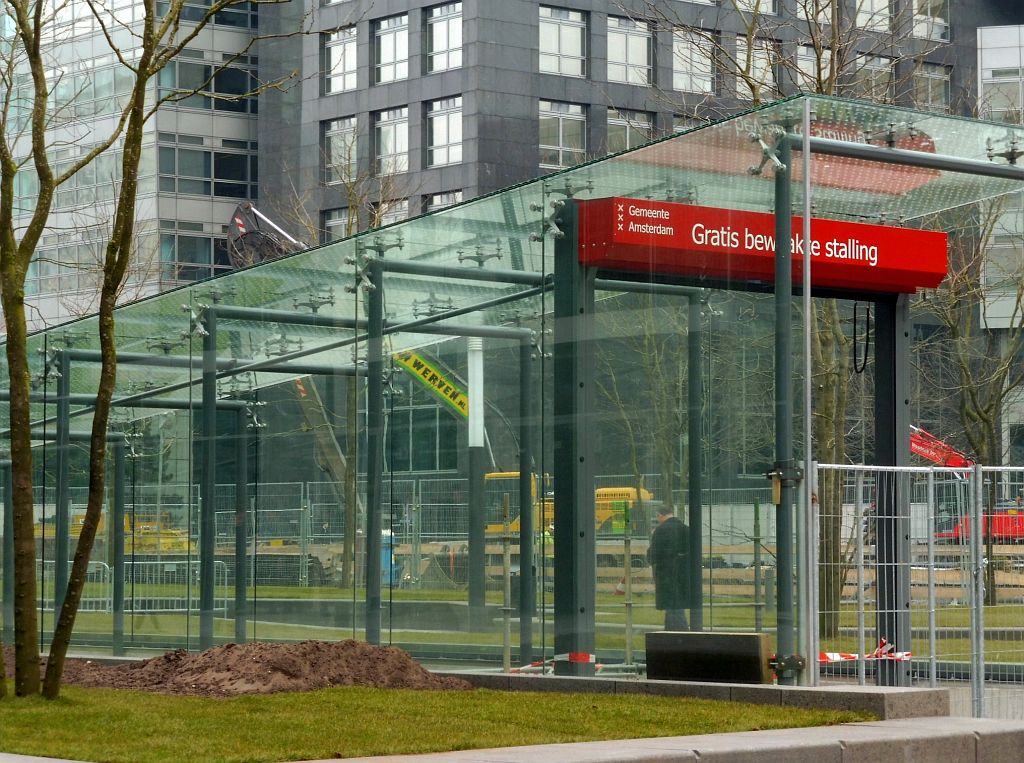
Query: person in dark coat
x,y
669,555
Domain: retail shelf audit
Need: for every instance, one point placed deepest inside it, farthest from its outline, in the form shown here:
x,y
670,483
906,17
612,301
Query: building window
x,y
931,19
421,436
387,212
627,129
444,37
1001,101
444,132
692,71
931,87
192,258
813,69
340,150
874,15
240,16
563,134
391,140
753,6
338,64
682,123
1005,254
629,51
208,173
873,79
563,36
391,49
756,69
339,223
185,80
436,201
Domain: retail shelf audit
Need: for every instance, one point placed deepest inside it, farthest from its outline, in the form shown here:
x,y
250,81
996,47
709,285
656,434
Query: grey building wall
x,y
501,85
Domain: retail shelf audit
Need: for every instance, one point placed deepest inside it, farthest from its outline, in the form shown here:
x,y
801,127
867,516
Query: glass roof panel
x,y
511,231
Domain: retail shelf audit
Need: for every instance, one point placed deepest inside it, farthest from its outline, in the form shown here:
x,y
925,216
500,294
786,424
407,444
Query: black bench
x,y
714,657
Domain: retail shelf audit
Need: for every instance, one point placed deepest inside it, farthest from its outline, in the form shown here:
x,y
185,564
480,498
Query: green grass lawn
x,y
105,725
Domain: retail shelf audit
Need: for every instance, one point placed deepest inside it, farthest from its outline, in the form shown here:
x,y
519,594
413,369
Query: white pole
x,y
808,618
475,347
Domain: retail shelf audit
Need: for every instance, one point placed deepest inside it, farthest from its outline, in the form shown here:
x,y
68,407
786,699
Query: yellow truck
x,y
610,506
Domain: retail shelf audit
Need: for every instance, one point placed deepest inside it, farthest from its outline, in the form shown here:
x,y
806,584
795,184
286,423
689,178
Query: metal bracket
x,y
792,662
195,326
550,223
479,256
379,244
569,190
767,155
1011,154
317,298
431,306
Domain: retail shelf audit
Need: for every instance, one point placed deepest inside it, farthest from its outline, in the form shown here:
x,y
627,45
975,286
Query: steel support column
x,y
575,566
527,573
374,445
208,489
62,537
785,469
8,553
241,522
117,542
477,467
892,448
695,439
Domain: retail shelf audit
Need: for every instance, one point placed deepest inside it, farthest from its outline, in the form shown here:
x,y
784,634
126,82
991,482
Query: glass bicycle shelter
x,y
452,433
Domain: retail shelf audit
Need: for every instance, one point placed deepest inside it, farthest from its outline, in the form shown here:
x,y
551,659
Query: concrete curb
x,y
949,740
886,703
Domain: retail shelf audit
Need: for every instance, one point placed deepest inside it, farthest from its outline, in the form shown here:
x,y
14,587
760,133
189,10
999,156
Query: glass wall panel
x,y
344,442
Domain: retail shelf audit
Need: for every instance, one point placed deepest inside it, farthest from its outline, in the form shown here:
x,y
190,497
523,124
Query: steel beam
x,y
575,547
905,157
476,463
241,522
116,535
785,470
892,518
126,359
642,287
527,574
208,486
694,451
62,536
168,404
374,447
490,275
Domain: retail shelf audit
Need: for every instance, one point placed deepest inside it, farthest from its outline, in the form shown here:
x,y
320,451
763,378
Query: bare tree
x,y
35,119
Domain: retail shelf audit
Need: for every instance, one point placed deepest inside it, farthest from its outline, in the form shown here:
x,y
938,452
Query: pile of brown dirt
x,y
260,668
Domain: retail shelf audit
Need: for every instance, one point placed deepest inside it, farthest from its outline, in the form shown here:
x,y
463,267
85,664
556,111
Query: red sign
x,y
664,237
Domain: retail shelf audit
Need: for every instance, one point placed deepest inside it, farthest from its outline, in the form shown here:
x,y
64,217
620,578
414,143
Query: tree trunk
x,y
64,628
118,255
830,371
26,631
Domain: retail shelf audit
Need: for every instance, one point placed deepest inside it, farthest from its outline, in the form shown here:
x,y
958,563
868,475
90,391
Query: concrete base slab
x,y
924,740
886,703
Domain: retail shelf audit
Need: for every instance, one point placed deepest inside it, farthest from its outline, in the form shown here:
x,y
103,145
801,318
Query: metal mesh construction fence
x,y
946,543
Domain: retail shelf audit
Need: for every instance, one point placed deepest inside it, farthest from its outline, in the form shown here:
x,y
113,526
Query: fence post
x,y
931,512
858,483
978,563
304,545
